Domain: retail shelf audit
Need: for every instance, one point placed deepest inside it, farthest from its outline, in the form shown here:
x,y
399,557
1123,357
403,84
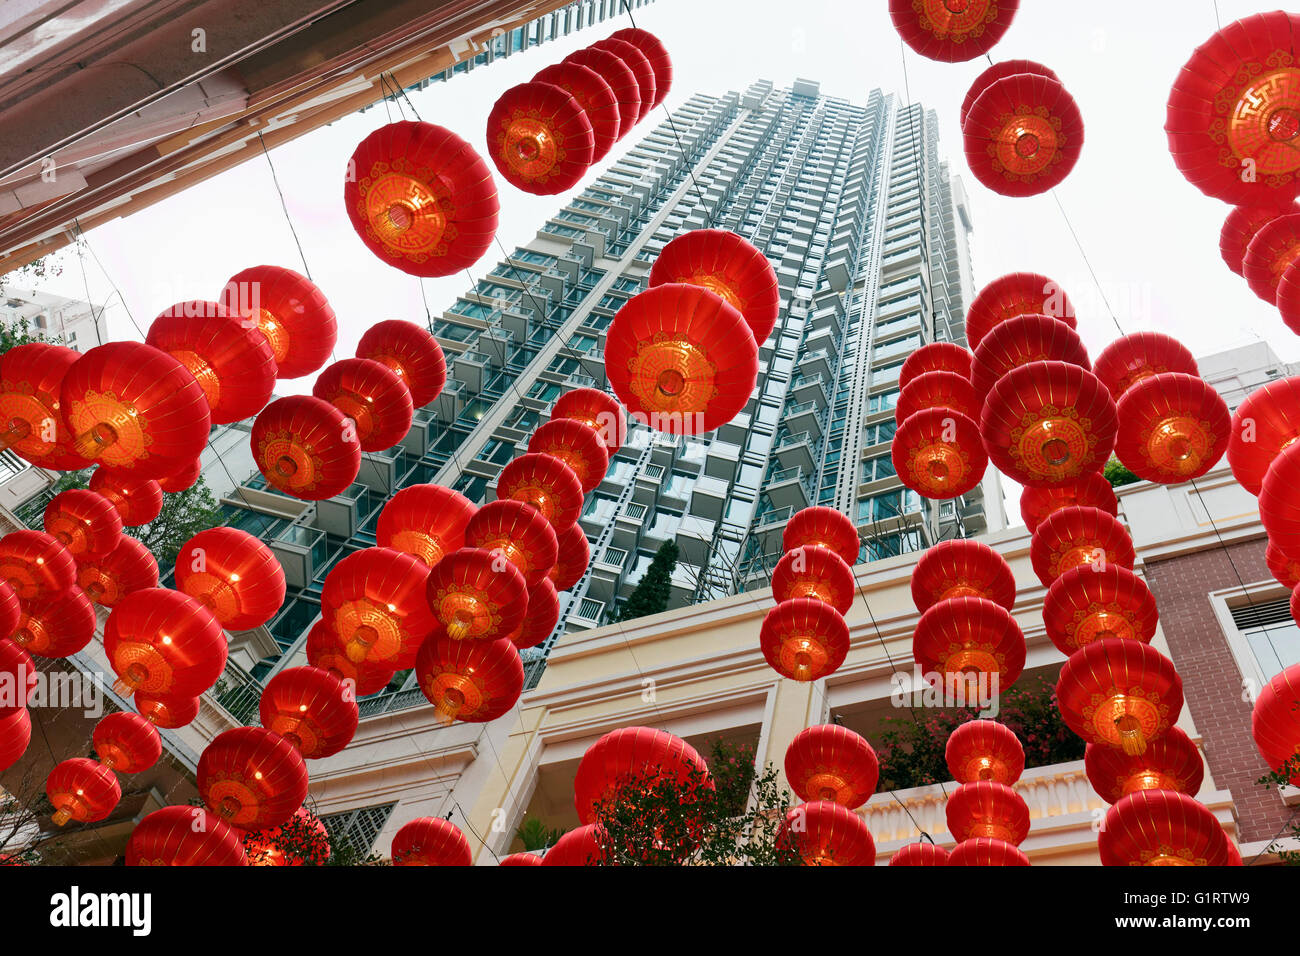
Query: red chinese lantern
x,y
374,601
325,651
937,390
1131,359
540,139
1048,423
291,313
597,410
1018,293
584,846
58,626
1275,720
1023,135
728,266
920,854
938,453
822,527
1279,511
184,836
804,639
987,809
31,424
518,533
133,407
233,574
109,578
641,67
427,521
476,596
311,708
162,642
546,483
1079,536
252,778
816,573
656,53
15,735
996,72
952,30
126,742
985,851
421,199
823,833
473,681
681,359
1288,297
830,762
635,757
1240,227
137,500
305,447
962,568
1170,763
1161,828
935,357
430,841
1021,340
1091,490
1119,693
11,610
82,790
19,673
84,522
577,445
614,71
411,352
596,98
1089,603
1271,253
574,556
971,637
307,845
1172,428
1265,424
372,397
36,565
543,614
1285,570
231,360
521,859
167,712
185,478
984,750
1233,110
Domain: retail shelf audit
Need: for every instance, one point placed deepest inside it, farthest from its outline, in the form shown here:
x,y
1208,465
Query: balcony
x,y
720,461
471,368
810,388
796,451
450,401
628,525
818,362
789,488
804,417
300,550
709,497
695,539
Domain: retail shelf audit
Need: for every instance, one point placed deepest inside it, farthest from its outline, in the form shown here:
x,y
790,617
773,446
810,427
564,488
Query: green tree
x,y
535,835
21,333
651,594
1282,777
44,267
1117,474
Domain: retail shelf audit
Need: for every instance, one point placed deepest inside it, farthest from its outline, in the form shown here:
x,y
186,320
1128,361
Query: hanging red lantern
x,y
728,266
822,527
823,833
984,750
233,574
1288,297
597,410
681,359
183,479
1079,536
985,851
31,424
996,72
311,708
656,53
518,533
1091,490
936,390
36,565
596,98
1048,423
920,854
641,67
1275,721
962,568
830,762
987,809
109,578
574,557
476,596
521,859
427,521
411,352
1119,693
84,522
11,610
1267,422
430,841
292,314
935,357
325,651
184,836
1131,359
952,30
1019,341
137,500
1161,828
614,71
167,712
1172,428
1023,135
938,453
540,138
1273,250
372,397
816,573
804,639
15,736
126,742
18,674
640,757
970,637
1233,109
1018,293
577,445
305,447
252,778
584,846
546,483
306,844
1171,762
82,790
1279,511
162,642
543,614
1240,227
374,601
1089,603
473,681
57,626
1285,570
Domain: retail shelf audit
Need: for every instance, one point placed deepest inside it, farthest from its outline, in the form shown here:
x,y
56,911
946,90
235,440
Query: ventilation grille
x,y
1262,614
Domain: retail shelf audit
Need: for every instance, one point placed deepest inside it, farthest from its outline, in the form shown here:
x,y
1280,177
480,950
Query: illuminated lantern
x,y
1265,424
167,712
180,480
987,809
84,522
996,72
308,844
920,854
18,677
1131,359
473,681
1023,135
232,361
540,138
1119,693
823,833
372,396
475,597
681,359
584,846
596,409
521,859
596,98
574,556
1240,227
31,423
543,614
1079,536
614,71
128,567
962,568
1172,428
58,626
829,762
727,265
1048,423
15,735
970,637
126,742
1279,511
1019,341
233,574
937,390
374,601
1275,721
164,643
1170,763
656,53
804,639
1234,107
1089,603
411,352
82,790
986,851
133,407
822,527
634,756
516,532
310,708
816,573
577,445
10,610
421,199
36,565
325,651
184,836
291,313
305,447
252,778
935,357
938,453
952,30
1091,490
137,500
1161,828
427,521
546,483
984,750
1012,295
641,67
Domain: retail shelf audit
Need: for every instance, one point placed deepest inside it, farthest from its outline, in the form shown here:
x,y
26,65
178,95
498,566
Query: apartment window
x,y
357,828
1266,634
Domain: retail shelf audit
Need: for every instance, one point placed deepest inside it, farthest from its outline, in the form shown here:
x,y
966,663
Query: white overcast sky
x,y
1151,237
